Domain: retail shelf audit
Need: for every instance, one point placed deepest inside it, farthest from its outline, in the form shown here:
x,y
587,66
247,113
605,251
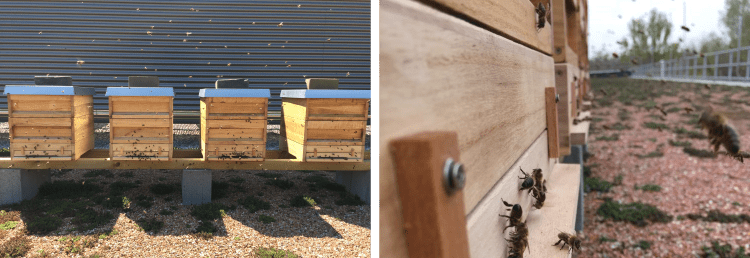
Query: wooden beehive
x,y
50,122
325,125
140,123
233,124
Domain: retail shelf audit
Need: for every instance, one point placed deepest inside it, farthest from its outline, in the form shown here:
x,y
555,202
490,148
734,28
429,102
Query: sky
x,y
605,28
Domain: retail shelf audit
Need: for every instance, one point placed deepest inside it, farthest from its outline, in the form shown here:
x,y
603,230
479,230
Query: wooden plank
x,y
296,149
333,134
41,146
150,147
140,123
140,140
40,114
334,142
579,132
39,98
553,141
563,76
434,219
544,224
498,110
131,115
484,227
247,133
323,155
159,132
237,108
186,159
236,124
134,105
26,105
26,121
319,109
337,117
40,139
334,148
515,19
31,153
41,131
294,107
242,100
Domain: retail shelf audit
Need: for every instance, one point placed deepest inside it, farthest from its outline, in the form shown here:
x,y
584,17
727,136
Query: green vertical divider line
x,y
374,122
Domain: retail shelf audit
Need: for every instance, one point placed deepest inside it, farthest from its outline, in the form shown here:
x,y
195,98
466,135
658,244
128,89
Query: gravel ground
x,y
689,185
324,230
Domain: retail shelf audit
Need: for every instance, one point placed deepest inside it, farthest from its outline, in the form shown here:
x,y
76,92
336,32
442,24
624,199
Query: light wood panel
x,y
483,224
516,19
454,76
563,83
553,137
579,133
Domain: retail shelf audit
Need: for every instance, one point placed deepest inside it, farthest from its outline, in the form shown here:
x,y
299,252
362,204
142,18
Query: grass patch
x,y
653,154
163,189
253,204
119,187
150,225
219,190
596,184
274,253
603,239
98,172
618,179
268,175
648,188
128,174
619,126
655,126
9,225
717,250
266,219
699,153
43,225
67,190
77,244
611,138
303,201
237,180
144,201
643,245
281,183
636,213
718,216
17,246
209,211
206,227
680,144
623,114
166,212
88,219
350,200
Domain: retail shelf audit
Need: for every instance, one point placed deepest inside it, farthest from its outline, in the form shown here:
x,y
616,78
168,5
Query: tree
x,y
730,16
649,38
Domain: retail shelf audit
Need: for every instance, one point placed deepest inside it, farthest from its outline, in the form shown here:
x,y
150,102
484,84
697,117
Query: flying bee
x,y
571,240
662,110
635,62
528,182
721,133
603,92
615,55
702,55
685,28
707,86
80,62
688,110
606,127
516,212
519,241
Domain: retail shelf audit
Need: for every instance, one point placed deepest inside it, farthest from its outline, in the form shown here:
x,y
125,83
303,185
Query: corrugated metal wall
x,y
189,44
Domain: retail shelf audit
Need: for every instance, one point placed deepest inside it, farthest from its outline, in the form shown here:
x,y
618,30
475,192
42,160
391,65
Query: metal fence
x,y
189,44
726,65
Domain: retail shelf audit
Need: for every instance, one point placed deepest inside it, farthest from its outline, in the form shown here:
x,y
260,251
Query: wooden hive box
x,y
325,125
140,123
50,122
233,124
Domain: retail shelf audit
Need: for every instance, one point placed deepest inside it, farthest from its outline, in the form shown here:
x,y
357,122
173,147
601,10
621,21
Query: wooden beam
x,y
559,30
563,77
486,238
579,132
434,218
553,136
558,213
186,159
514,19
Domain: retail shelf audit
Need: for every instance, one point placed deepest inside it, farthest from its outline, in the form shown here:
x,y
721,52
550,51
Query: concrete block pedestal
x,y
17,185
196,186
356,182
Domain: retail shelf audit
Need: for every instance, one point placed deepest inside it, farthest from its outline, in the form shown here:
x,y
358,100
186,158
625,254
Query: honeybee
x,y
528,182
603,92
707,86
540,193
615,55
516,212
606,127
542,14
634,61
721,133
661,109
571,240
688,110
538,184
519,241
685,28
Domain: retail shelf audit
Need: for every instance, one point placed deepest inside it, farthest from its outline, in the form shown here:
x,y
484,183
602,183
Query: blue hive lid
x,y
140,91
326,94
235,93
48,90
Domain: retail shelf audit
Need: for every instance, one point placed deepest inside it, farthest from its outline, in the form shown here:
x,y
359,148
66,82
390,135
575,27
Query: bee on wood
x,y
615,55
721,133
540,193
538,184
528,182
542,15
516,212
519,241
685,28
571,240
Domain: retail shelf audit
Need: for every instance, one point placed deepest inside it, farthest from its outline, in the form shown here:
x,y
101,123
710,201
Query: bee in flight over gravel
x,y
721,133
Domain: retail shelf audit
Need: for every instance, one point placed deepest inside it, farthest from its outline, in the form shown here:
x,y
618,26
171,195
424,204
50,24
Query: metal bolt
x,y
454,175
558,50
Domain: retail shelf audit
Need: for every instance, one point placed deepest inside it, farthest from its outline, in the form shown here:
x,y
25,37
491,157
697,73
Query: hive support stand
x,y
576,157
196,186
356,182
17,185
